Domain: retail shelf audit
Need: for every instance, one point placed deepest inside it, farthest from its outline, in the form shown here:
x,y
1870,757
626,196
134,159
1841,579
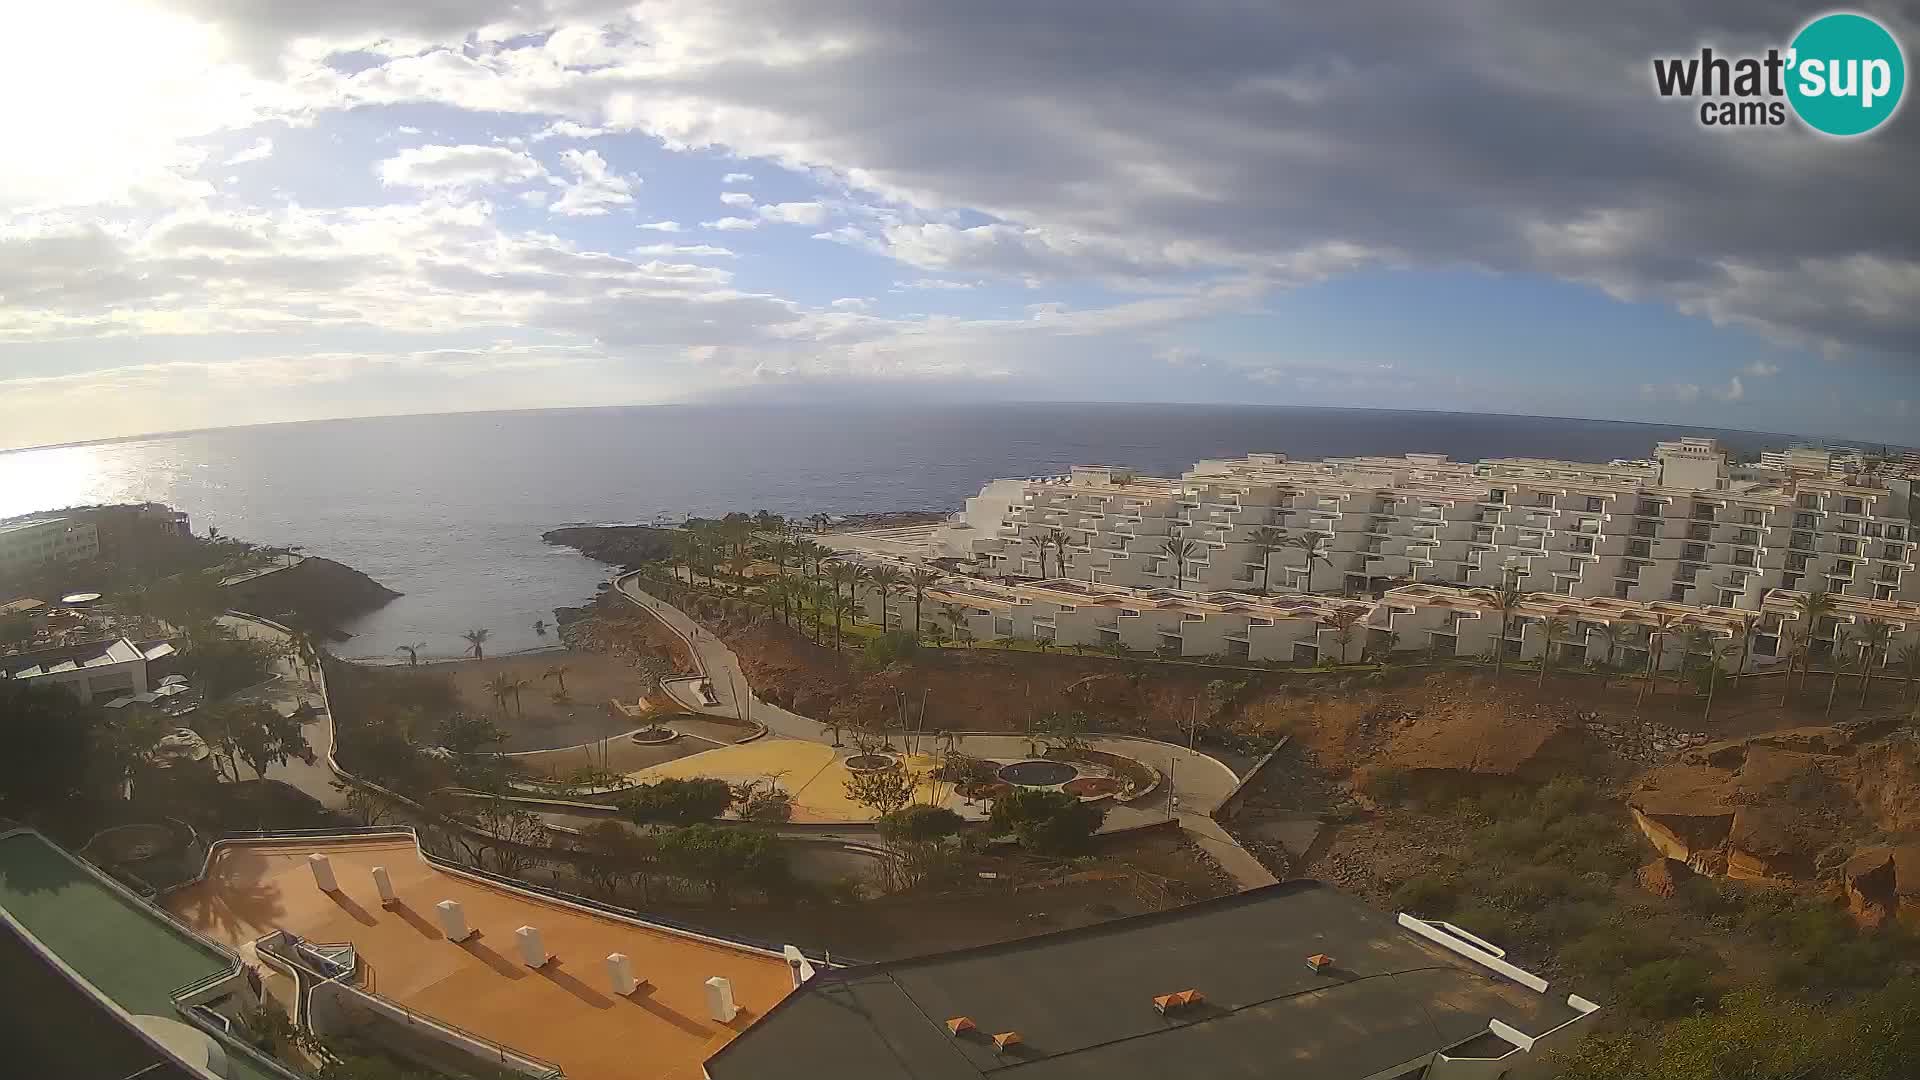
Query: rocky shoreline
x,y
627,546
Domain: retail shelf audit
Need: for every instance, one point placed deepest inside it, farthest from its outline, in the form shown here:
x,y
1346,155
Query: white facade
x,y
100,672
1678,528
25,545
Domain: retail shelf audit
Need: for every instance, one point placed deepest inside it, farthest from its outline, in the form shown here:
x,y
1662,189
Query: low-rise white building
x,y
98,671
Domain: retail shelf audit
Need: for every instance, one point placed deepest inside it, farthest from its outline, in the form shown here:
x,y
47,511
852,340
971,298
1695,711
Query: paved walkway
x,y
290,686
1193,784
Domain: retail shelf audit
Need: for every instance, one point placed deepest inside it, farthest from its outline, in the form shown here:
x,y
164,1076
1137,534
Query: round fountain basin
x,y
1037,773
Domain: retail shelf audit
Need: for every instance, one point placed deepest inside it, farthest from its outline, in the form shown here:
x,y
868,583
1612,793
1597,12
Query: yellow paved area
x,y
564,1012
813,773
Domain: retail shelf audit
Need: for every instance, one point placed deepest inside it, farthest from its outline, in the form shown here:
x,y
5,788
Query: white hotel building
x,y
1621,542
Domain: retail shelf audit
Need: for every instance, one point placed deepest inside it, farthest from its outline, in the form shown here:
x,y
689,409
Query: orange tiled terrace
x,y
564,1012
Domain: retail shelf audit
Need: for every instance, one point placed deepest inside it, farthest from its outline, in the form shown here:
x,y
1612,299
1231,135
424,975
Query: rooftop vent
x,y
1168,1003
1006,1039
959,1026
1319,962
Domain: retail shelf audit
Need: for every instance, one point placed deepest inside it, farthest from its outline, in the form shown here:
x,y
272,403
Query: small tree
x,y
1047,822
764,801
725,858
919,824
674,801
882,791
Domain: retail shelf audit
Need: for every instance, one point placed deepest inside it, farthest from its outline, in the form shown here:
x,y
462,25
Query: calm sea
x,y
449,509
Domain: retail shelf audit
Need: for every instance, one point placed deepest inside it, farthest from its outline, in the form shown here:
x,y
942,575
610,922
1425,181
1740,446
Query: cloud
x,y
661,226
261,150
795,213
737,178
730,224
594,189
1735,390
736,198
1762,369
851,303
1505,136
697,251
934,283
567,129
458,167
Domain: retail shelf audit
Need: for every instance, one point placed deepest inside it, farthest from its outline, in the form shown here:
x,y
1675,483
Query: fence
x,y
1229,807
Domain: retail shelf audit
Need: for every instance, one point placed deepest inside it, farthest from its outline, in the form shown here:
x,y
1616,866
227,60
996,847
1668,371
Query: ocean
x,y
449,509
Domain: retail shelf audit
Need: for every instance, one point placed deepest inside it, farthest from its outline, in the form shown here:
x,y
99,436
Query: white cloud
x,y
730,224
736,198
533,197
261,150
1762,369
661,226
695,251
795,213
737,178
934,283
594,189
458,167
407,130
1735,390
851,303
568,129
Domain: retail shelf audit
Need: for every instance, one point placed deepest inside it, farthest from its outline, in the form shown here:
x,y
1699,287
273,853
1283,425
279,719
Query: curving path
x,y
289,687
1198,782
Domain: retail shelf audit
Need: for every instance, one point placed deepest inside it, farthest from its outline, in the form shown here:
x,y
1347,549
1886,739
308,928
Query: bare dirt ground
x,y
536,722
616,627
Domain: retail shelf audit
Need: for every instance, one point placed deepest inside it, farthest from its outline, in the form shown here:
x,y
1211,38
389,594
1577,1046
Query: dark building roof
x,y
1082,1001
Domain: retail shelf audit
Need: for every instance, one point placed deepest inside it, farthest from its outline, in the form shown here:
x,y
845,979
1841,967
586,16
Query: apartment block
x,y
1679,527
35,542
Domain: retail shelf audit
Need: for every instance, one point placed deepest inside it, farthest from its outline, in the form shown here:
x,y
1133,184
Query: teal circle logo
x,y
1846,74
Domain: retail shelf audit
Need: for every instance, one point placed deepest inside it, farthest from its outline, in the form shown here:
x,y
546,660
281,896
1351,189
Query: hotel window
x,y
1703,512
1752,517
1894,551
1790,581
1621,589
1747,536
1694,552
1543,499
1678,592
1851,506
1595,503
1850,526
1896,532
1699,532
1805,521
1583,544
1646,528
1843,567
1728,598
1801,540
1889,573
1497,495
1640,549
1849,547
1810,502
1743,557
1884,592
1647,508
1873,528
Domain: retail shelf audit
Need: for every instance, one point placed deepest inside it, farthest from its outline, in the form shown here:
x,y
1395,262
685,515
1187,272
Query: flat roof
x,y
563,1013
125,949
50,1027
1082,1001
72,658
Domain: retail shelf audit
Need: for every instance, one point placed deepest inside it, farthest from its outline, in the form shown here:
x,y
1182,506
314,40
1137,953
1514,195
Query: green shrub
x,y
919,824
1617,946
1428,895
674,801
1050,822
1531,888
1663,989
892,647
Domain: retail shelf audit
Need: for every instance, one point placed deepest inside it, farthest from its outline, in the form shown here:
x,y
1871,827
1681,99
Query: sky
x,y
221,212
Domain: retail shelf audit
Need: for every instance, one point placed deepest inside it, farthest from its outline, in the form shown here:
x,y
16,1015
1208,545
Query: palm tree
x,y
1506,600
1716,657
558,673
1794,643
500,688
1809,609
1058,538
540,627
840,575
1039,545
1909,657
1663,624
1342,623
886,579
514,687
1611,635
476,639
843,606
681,551
1312,545
956,617
1266,540
1742,633
304,649
1179,549
413,652
1556,628
918,581
1875,637
1694,640
1840,636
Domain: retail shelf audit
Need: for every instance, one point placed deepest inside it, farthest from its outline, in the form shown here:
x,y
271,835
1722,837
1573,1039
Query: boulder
x,y
1662,877
1872,886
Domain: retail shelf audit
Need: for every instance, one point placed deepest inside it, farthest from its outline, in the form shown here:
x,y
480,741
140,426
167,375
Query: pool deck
x,y
564,1012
